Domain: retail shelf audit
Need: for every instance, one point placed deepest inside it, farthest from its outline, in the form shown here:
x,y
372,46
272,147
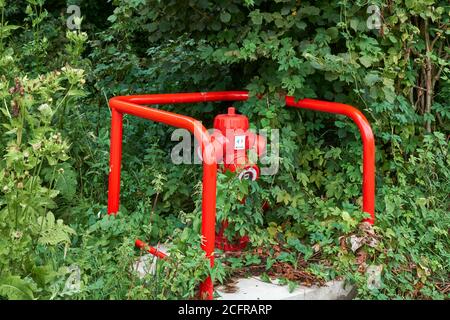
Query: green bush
x,y
397,74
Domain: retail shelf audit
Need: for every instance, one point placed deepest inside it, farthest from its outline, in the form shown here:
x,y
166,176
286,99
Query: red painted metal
x,y
231,120
152,250
115,160
136,105
131,105
367,138
233,139
223,243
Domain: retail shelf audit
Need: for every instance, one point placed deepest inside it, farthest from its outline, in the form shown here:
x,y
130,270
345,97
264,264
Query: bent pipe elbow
x,y
337,108
133,107
367,137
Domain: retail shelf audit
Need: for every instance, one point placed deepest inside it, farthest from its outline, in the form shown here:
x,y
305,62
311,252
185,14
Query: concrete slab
x,y
255,289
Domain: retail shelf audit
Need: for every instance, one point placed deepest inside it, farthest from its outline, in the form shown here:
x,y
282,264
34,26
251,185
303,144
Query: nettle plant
x,y
35,173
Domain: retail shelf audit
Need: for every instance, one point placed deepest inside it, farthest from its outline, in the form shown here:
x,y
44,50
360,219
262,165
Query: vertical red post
x,y
208,222
368,173
115,161
209,182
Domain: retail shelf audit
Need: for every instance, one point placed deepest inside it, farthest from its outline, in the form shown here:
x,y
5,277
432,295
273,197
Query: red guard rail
x,y
137,106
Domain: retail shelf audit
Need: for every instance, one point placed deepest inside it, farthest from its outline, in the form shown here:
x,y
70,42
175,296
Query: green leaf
x,y
256,17
292,285
6,29
225,17
366,61
310,11
354,24
66,181
43,274
371,78
52,232
265,278
112,18
216,26
346,217
15,288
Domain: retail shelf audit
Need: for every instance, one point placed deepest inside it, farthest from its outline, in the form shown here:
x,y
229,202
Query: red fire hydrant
x,y
233,141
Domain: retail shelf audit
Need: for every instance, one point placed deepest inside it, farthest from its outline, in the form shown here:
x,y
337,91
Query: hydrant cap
x,y
231,120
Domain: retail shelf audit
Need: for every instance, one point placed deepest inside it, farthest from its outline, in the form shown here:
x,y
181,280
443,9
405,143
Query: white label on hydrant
x,y
239,143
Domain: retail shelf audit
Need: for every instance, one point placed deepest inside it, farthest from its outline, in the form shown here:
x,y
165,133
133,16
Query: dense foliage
x,y
56,240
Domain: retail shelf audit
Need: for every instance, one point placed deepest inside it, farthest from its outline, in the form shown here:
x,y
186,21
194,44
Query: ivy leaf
x,y
216,26
354,24
310,11
371,78
389,94
256,17
366,61
225,17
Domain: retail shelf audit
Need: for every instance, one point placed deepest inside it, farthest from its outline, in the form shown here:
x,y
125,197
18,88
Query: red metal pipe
x,y
133,105
121,105
114,161
173,98
367,138
152,250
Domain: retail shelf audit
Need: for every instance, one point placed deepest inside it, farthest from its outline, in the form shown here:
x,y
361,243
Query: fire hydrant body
x,y
233,141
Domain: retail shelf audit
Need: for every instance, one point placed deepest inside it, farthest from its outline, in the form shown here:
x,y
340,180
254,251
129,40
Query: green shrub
x,y
55,143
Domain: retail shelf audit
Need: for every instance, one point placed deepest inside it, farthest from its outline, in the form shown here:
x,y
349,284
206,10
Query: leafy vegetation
x,y
56,240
